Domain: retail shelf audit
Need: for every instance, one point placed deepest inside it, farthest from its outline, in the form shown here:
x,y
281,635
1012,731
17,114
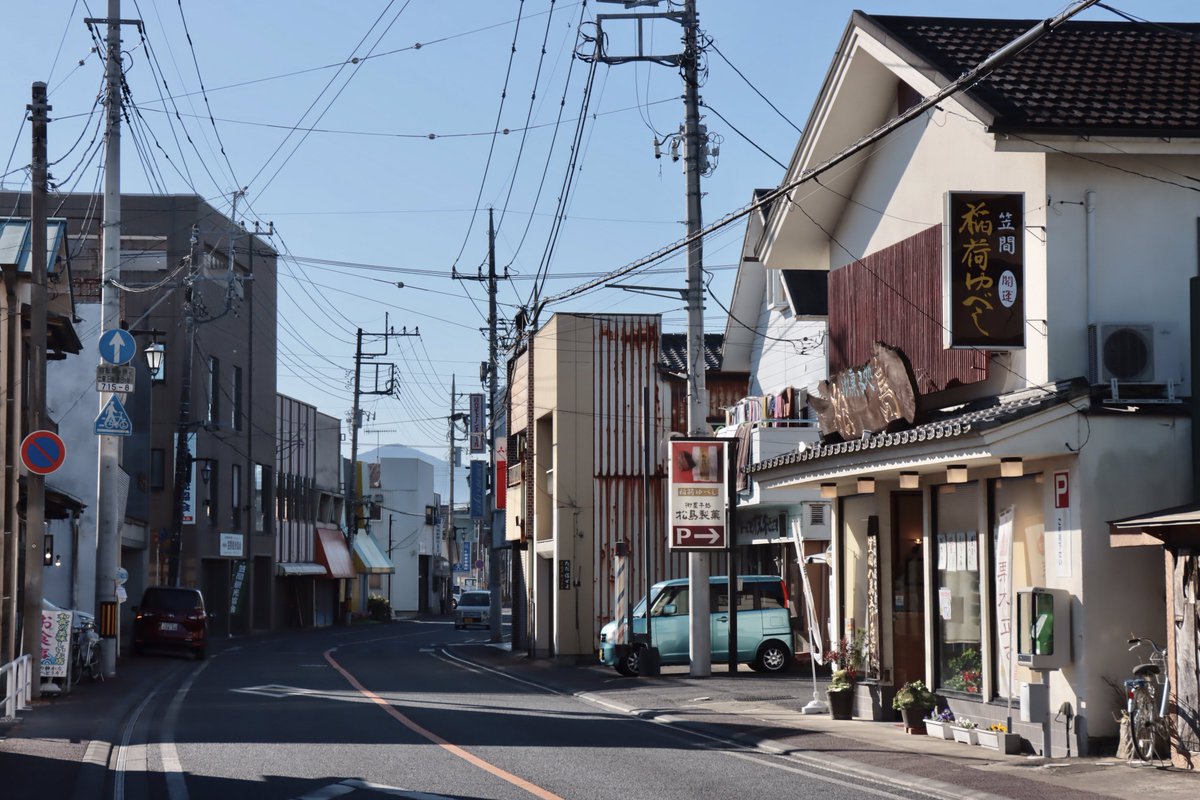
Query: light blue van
x,y
764,630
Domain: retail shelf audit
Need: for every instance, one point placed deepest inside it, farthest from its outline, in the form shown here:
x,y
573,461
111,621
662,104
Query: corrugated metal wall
x,y
895,296
626,353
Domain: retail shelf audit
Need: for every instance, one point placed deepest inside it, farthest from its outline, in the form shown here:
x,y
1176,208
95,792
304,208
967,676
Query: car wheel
x,y
772,657
630,664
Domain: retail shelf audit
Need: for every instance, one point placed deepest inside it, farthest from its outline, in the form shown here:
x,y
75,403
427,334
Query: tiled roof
x,y
1085,77
673,357
948,427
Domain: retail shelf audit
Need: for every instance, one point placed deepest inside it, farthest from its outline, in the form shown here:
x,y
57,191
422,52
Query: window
x,y
261,482
860,535
676,596
214,389
956,590
214,493
235,399
158,469
235,496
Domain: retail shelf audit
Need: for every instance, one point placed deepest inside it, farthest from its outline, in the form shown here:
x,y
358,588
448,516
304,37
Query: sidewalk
x,y
764,711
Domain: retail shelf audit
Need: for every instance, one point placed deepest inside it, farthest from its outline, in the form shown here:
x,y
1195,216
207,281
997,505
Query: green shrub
x,y
379,608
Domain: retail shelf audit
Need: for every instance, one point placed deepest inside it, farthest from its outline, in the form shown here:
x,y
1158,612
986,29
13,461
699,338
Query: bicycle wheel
x,y
75,671
1143,724
93,663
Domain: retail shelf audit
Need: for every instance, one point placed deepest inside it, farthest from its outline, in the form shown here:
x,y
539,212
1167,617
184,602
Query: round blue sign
x,y
43,452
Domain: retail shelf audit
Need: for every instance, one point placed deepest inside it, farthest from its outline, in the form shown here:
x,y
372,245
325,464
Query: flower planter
x,y
965,735
1009,743
939,730
841,704
914,719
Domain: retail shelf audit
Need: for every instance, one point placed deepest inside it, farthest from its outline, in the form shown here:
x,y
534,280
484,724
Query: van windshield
x,y
178,600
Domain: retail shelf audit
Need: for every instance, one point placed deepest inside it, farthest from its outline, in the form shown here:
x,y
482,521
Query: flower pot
x,y
965,735
841,704
939,730
914,718
1009,743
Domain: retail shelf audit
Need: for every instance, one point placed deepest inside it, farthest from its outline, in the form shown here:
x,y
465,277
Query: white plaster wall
x,y
72,401
407,487
793,352
1145,252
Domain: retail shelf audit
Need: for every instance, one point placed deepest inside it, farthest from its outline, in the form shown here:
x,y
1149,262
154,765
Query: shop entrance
x,y
908,592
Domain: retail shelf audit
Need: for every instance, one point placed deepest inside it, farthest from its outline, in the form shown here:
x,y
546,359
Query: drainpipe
x,y
1089,206
1194,331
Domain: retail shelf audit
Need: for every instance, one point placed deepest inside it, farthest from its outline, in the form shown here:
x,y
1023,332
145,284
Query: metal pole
x,y
108,507
450,503
490,504
35,485
698,563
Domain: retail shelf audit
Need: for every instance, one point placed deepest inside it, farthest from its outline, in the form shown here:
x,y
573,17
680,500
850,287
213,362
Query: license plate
x,y
168,626
470,619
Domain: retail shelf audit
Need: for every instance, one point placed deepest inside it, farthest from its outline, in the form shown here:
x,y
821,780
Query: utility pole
x,y
183,453
451,463
108,505
35,485
490,504
353,501
695,154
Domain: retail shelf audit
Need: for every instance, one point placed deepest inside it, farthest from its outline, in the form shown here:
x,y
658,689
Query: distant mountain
x,y
441,474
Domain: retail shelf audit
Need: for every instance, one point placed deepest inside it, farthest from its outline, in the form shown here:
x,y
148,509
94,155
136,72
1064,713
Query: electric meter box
x,y
1043,628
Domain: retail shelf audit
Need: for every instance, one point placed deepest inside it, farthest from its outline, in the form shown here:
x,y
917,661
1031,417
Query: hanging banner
x,y
189,486
478,430
983,275
1004,642
698,499
478,481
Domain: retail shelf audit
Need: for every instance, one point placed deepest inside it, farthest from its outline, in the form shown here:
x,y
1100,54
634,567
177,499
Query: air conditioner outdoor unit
x,y
1123,352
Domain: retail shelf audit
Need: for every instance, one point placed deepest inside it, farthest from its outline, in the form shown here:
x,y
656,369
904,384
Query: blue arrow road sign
x,y
113,421
117,346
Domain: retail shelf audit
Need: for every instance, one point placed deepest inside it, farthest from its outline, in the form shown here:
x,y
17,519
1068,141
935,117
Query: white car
x,y
474,608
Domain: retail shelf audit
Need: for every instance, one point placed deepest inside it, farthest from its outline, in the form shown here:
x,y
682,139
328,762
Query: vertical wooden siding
x,y
895,296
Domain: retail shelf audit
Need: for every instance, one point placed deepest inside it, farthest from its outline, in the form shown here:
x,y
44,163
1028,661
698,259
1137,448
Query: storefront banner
x,y
1004,642
56,643
984,270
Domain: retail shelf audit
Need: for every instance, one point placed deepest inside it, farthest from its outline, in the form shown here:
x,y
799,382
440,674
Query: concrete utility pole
x,y
353,501
695,154
452,463
183,453
35,485
108,505
489,512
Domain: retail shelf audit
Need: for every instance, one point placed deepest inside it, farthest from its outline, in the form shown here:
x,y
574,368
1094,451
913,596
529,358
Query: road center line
x,y
492,769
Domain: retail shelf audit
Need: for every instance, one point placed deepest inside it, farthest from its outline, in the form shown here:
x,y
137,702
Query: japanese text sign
x,y
698,497
984,274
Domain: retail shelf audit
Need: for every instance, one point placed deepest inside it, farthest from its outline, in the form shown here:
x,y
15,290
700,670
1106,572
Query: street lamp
x,y
154,353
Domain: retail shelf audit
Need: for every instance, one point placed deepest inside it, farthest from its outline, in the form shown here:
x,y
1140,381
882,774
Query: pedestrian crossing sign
x,y
113,421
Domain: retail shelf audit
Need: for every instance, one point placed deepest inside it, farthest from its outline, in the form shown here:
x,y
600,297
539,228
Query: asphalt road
x,y
417,709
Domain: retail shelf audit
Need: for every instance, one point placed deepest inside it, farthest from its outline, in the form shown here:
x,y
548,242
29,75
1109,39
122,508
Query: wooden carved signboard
x,y
867,398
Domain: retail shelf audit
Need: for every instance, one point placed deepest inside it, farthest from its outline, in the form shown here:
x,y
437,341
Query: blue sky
x,y
380,172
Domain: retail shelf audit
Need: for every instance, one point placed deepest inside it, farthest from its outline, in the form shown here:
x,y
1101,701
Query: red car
x,y
171,617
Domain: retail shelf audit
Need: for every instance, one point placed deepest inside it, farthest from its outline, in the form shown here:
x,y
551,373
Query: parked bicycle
x,y
1147,694
85,651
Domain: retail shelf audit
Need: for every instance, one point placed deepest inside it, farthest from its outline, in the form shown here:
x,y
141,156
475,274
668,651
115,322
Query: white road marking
x,y
122,752
172,769
351,784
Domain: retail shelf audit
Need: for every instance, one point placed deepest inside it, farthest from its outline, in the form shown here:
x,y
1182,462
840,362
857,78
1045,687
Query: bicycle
x,y
85,652
1147,694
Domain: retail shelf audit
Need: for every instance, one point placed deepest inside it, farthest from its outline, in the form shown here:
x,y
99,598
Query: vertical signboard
x,y
478,480
236,592
56,643
189,487
984,273
478,424
698,494
500,448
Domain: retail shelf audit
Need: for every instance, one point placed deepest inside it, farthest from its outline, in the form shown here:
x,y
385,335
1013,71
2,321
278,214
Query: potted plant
x,y
841,694
938,724
914,701
965,731
997,737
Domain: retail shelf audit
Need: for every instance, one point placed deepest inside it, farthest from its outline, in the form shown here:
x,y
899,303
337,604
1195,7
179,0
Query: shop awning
x,y
369,558
1175,527
292,569
333,553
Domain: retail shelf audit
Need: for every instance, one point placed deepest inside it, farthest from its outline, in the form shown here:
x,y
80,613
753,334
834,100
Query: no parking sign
x,y
43,452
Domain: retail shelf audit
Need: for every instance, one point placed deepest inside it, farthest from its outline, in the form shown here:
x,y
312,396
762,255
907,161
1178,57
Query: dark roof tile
x,y
1085,77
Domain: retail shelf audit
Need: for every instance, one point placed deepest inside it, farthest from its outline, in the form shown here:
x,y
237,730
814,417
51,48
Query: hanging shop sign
x,y
478,429
698,495
984,270
867,398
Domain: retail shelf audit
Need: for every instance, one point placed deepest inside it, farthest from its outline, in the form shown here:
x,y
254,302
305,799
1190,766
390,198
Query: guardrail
x,y
17,677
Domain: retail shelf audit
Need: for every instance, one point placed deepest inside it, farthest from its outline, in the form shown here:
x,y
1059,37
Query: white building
x,y
405,524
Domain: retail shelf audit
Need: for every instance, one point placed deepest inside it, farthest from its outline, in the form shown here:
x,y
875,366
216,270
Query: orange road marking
x,y
521,783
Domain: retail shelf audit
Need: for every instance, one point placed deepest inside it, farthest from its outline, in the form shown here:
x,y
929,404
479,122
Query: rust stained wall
x,y
895,296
